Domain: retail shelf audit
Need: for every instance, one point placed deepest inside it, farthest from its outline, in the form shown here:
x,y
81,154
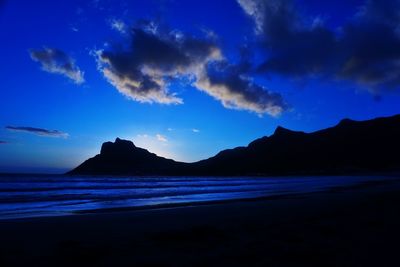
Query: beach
x,y
344,226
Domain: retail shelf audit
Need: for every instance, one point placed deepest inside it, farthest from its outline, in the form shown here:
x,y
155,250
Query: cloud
x,y
158,137
161,138
56,61
156,58
151,143
371,46
195,130
230,85
255,10
144,70
365,50
118,25
294,47
74,29
38,131
3,142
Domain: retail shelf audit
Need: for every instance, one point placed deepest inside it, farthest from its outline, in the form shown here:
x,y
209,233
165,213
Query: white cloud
x,y
56,61
254,9
154,60
151,143
238,92
38,131
144,72
195,130
144,90
74,29
161,138
118,25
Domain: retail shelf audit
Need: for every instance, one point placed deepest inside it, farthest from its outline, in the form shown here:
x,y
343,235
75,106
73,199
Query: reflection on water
x,y
34,195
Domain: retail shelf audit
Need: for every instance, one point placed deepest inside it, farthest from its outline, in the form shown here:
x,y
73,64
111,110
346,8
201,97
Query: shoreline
x,y
364,184
353,226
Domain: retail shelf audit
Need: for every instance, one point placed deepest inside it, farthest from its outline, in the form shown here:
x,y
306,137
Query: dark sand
x,y
357,226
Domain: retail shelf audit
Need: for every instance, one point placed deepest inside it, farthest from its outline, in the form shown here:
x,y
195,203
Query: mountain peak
x,y
346,121
119,141
281,130
119,146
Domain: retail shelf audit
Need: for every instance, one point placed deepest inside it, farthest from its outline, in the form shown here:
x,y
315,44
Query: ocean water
x,y
55,195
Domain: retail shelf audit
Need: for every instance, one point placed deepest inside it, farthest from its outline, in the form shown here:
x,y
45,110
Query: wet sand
x,y
353,226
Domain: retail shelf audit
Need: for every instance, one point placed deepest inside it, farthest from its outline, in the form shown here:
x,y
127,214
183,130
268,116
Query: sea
x,y
24,195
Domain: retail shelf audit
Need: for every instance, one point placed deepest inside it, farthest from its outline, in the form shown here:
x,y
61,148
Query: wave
x,y
26,196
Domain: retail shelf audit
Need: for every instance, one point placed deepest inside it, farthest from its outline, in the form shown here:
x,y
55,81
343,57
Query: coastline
x,y
351,226
279,196
276,194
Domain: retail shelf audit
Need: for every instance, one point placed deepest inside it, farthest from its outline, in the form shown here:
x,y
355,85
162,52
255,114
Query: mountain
x,y
123,157
349,147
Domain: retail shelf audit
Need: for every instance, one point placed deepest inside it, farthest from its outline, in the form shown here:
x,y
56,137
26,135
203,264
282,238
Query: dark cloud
x,y
56,61
370,46
365,50
155,57
3,142
230,84
142,71
38,131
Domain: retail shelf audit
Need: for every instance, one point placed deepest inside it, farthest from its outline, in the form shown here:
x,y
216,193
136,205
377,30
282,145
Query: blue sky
x,y
186,79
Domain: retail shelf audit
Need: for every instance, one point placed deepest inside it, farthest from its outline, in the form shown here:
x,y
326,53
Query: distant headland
x,y
350,147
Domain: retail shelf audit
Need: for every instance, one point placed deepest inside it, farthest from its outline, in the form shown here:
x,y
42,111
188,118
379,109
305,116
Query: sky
x,y
186,79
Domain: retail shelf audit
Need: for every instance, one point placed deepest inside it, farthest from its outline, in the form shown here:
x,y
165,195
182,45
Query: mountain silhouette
x,y
347,148
123,157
